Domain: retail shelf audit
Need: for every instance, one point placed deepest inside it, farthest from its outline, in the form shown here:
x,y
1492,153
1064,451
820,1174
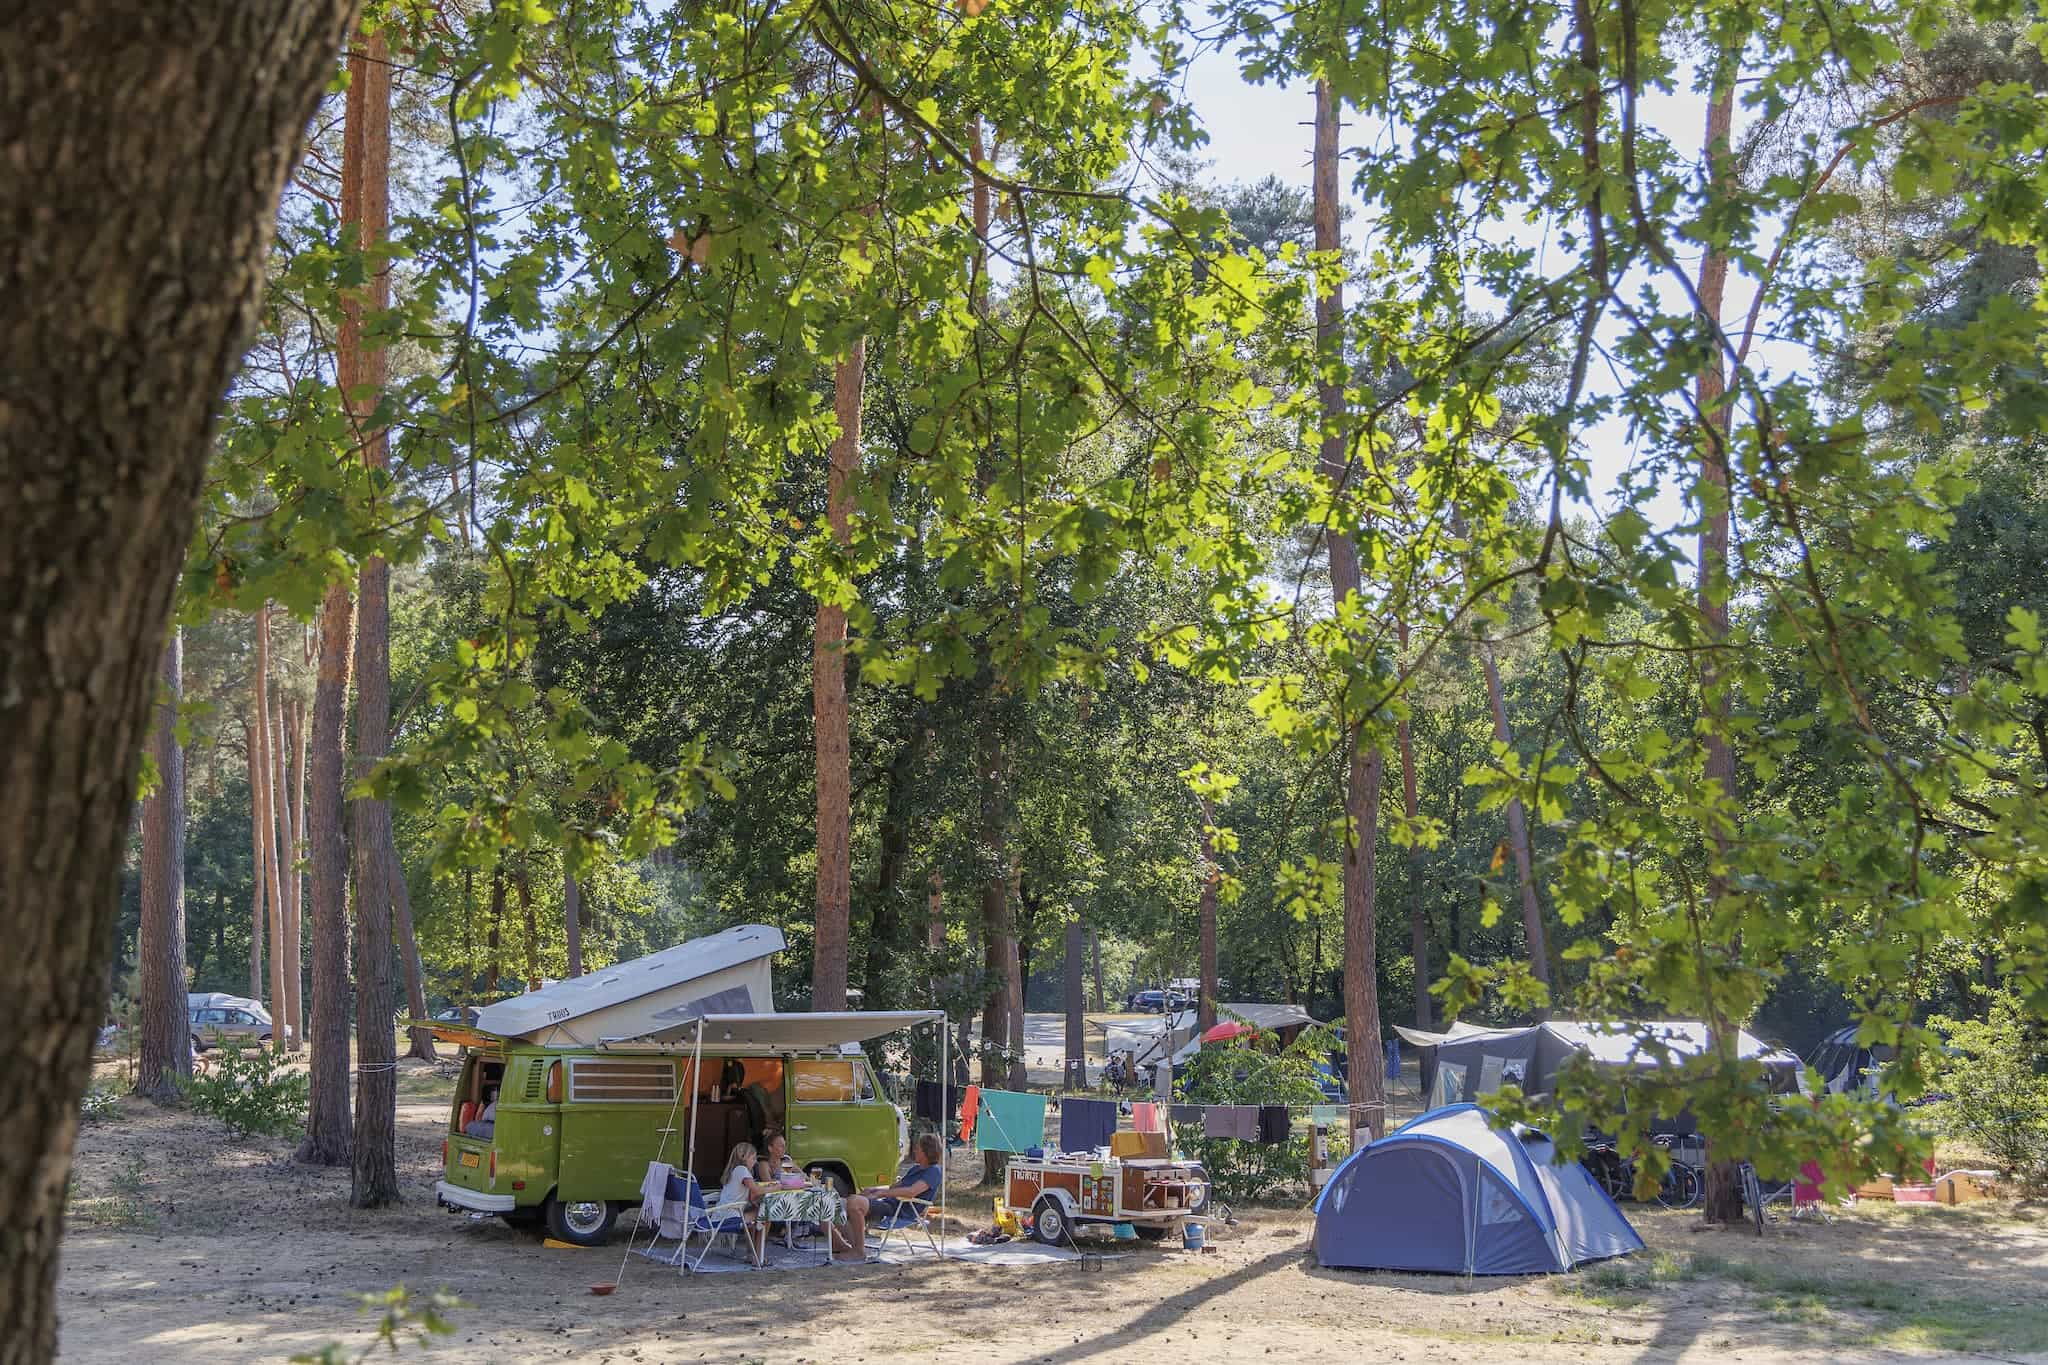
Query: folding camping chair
x,y
909,1216
682,1193
711,1221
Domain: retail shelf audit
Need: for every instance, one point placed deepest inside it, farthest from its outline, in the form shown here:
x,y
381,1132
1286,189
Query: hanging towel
x,y
1237,1121
656,1208
1010,1121
970,1106
930,1104
1125,1145
1274,1127
1145,1117
1327,1115
1086,1124
1185,1113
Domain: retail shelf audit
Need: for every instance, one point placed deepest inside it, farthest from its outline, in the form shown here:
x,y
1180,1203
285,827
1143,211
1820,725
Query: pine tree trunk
x,y
160,938
572,922
1518,831
267,803
494,942
327,1121
360,366
1076,1069
829,963
420,1040
258,902
1095,956
1212,874
1418,915
136,208
1723,1196
1362,778
291,831
530,924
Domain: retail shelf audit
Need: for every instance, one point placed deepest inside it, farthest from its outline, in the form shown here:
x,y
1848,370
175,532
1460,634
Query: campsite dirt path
x,y
183,1247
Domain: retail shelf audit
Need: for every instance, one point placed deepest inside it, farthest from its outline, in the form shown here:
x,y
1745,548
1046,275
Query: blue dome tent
x,y
1448,1192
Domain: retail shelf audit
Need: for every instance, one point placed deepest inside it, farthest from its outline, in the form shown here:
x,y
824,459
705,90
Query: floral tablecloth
x,y
812,1204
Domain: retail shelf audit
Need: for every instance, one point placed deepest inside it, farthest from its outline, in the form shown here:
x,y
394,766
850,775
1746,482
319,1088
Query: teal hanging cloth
x,y
1010,1122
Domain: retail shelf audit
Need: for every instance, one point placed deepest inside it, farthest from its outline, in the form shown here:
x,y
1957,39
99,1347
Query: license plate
x,y
471,1159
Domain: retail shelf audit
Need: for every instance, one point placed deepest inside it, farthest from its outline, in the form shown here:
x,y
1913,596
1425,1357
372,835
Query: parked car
x,y
218,1019
1145,1002
452,1015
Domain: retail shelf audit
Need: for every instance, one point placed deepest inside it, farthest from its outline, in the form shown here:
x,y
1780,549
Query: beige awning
x,y
793,1032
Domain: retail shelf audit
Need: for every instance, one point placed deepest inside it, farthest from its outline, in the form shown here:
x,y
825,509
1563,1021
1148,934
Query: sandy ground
x,y
186,1247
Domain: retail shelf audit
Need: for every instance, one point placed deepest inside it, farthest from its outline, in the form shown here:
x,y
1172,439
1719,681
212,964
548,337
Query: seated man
x,y
923,1179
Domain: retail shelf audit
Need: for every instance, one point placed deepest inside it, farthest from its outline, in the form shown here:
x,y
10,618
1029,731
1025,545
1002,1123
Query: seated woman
x,y
741,1194
485,1124
922,1180
774,1162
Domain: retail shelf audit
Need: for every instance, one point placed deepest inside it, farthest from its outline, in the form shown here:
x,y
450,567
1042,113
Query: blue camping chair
x,y
710,1221
909,1217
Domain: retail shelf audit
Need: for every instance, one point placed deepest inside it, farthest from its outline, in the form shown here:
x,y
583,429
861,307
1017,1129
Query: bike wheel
x,y
1681,1187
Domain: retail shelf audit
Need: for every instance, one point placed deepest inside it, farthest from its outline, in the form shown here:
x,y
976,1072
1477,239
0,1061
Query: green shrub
x,y
1243,1072
252,1091
1994,1079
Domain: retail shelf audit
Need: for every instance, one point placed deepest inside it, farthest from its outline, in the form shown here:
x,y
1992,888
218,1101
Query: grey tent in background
x,y
1472,1067
1448,1192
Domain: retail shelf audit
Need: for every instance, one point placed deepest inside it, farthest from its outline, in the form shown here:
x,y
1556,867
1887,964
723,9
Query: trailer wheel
x,y
1049,1222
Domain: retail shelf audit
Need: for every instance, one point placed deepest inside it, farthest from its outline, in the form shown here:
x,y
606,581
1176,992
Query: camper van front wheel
x,y
585,1222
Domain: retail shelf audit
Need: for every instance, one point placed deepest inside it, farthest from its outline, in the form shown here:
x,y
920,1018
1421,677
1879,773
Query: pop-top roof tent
x,y
1447,1192
1479,1064
726,973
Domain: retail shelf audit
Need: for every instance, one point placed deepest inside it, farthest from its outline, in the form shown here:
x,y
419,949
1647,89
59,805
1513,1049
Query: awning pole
x,y
945,1116
690,1152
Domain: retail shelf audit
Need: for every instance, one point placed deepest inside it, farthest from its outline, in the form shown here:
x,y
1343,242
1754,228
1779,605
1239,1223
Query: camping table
x,y
811,1204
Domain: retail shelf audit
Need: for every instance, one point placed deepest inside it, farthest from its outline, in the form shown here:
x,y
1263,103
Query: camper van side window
x,y
834,1081
616,1080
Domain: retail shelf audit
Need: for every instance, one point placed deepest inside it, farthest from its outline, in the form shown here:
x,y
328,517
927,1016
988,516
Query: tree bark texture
x,y
258,903
290,1027
268,799
572,922
1212,874
1363,771
160,939
293,716
327,1119
1418,915
828,697
420,1041
1076,1053
1095,960
136,208
494,940
1518,831
524,887
374,1165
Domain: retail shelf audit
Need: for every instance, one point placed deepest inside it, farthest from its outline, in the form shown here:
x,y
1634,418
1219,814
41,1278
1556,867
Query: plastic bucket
x,y
1193,1236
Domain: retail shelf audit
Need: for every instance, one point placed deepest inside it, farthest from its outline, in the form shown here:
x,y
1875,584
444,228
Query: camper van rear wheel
x,y
585,1222
1049,1221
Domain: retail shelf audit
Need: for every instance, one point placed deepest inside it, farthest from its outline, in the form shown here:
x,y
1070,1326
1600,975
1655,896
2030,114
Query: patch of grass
x,y
1869,1312
126,1209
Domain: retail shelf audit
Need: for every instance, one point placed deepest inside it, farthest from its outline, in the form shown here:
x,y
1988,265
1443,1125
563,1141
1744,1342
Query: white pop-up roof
x,y
722,973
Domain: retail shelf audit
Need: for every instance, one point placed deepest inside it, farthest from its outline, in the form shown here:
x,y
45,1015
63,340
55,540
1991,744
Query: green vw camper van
x,y
567,1093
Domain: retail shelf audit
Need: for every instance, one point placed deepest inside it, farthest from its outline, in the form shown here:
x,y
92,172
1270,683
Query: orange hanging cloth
x,y
970,1105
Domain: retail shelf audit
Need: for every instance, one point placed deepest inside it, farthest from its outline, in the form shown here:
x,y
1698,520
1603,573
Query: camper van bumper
x,y
455,1197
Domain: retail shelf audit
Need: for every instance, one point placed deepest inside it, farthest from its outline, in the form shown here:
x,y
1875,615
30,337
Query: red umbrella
x,y
1225,1031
